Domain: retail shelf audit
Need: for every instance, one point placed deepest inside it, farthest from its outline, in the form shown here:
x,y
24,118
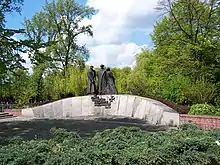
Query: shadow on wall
x,y
41,128
182,109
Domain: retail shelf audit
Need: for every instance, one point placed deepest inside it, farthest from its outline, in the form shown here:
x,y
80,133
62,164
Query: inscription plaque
x,y
99,102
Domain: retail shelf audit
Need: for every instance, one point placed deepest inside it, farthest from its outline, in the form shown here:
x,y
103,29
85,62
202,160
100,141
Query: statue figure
x,y
110,88
91,88
101,80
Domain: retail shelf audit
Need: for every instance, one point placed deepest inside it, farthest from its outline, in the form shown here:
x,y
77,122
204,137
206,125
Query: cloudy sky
x,y
121,28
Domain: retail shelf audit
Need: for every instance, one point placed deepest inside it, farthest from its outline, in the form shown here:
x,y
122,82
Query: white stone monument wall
x,y
130,106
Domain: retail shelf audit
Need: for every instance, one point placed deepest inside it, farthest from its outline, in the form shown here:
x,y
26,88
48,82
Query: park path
x,y
30,128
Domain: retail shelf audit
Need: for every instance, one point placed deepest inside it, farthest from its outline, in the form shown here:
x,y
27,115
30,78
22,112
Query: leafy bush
x,y
200,93
173,89
217,98
204,109
123,146
61,134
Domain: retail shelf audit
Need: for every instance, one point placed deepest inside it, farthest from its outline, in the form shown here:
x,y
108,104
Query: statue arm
x,y
113,78
94,75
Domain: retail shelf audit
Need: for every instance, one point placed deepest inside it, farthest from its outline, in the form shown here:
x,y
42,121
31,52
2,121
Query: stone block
x,y
67,107
98,111
28,112
76,106
136,102
171,119
87,106
122,107
155,115
58,109
48,110
149,107
140,112
129,106
38,112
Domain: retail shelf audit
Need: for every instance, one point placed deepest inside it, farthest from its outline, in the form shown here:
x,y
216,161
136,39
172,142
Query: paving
x,y
31,128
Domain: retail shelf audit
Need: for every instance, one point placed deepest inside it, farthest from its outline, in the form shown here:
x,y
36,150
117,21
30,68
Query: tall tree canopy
x,y
59,23
191,26
10,48
54,32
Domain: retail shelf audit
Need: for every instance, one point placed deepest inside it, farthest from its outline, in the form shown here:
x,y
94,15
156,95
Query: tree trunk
x,y
39,85
198,65
198,73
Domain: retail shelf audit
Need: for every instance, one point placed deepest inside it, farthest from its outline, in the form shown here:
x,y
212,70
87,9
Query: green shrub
x,y
189,126
173,88
200,93
121,146
217,98
204,109
61,134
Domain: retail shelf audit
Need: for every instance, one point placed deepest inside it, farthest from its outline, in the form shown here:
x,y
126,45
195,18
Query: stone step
x,y
4,115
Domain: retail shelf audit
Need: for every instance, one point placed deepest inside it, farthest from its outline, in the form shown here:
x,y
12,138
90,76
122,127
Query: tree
x,y
59,22
22,87
10,48
64,19
40,59
54,33
121,77
192,25
9,6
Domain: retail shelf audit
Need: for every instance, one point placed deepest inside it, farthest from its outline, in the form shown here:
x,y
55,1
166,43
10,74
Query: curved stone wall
x,y
153,111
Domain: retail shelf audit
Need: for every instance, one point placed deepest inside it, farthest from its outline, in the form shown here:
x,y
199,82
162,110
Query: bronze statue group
x,y
105,84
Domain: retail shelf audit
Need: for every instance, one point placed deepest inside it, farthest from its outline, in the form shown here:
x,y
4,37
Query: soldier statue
x,y
102,80
110,87
91,88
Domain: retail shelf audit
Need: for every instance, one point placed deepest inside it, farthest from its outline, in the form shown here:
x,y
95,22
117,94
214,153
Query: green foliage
x,y
121,76
183,67
21,87
204,109
53,33
61,134
123,145
191,25
189,126
147,77
8,6
201,92
175,87
182,90
59,24
15,140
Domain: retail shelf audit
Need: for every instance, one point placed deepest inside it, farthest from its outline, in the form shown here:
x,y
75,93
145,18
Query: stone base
x,y
154,112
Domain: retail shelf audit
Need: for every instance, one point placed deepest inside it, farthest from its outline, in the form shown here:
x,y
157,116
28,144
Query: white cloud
x,y
113,26
114,54
27,63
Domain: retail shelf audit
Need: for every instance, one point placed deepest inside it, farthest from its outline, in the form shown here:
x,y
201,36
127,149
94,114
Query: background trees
x,y
54,33
183,67
59,26
186,38
10,48
193,25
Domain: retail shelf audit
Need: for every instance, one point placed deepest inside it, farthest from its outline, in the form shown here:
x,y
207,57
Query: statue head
x,y
108,69
102,66
91,67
